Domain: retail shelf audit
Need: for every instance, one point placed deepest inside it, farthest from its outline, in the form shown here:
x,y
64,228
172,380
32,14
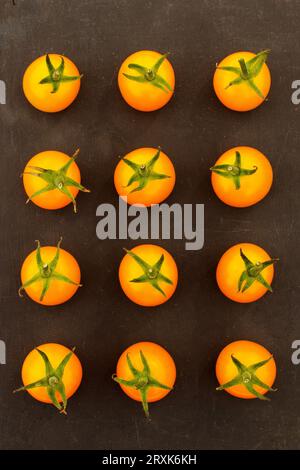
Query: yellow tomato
x,y
242,80
245,272
146,373
148,275
51,83
146,80
145,176
50,275
52,180
246,370
242,176
51,373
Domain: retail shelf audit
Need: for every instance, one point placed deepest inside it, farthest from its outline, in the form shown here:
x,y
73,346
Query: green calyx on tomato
x,y
142,381
152,273
247,71
53,381
150,75
56,75
233,171
252,273
247,376
46,272
57,179
144,173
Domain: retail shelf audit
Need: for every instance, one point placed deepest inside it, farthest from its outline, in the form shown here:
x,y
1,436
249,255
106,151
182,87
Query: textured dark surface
x,y
194,129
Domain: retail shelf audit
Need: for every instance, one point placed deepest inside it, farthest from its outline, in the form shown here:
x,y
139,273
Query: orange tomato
x,y
63,381
148,275
149,370
234,367
50,275
242,80
245,272
51,83
52,180
145,176
146,80
242,176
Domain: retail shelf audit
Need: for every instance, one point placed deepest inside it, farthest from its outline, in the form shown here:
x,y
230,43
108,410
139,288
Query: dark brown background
x,y
194,129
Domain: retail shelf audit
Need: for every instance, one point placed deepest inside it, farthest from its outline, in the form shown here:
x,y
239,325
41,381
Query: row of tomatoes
x,y
241,177
146,81
146,372
148,274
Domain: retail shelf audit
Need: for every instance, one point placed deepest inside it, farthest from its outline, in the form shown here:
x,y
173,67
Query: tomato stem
x,y
247,377
152,273
144,173
234,171
253,272
52,381
56,75
150,75
141,381
244,70
248,71
46,272
56,180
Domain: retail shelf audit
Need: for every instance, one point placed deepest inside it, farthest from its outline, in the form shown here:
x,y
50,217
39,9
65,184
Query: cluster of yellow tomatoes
x,y
148,274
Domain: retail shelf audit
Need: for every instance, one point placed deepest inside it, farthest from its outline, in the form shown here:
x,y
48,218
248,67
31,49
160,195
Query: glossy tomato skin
x,y
240,97
144,96
59,292
253,187
144,293
53,160
33,369
231,266
161,365
247,352
156,191
39,95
